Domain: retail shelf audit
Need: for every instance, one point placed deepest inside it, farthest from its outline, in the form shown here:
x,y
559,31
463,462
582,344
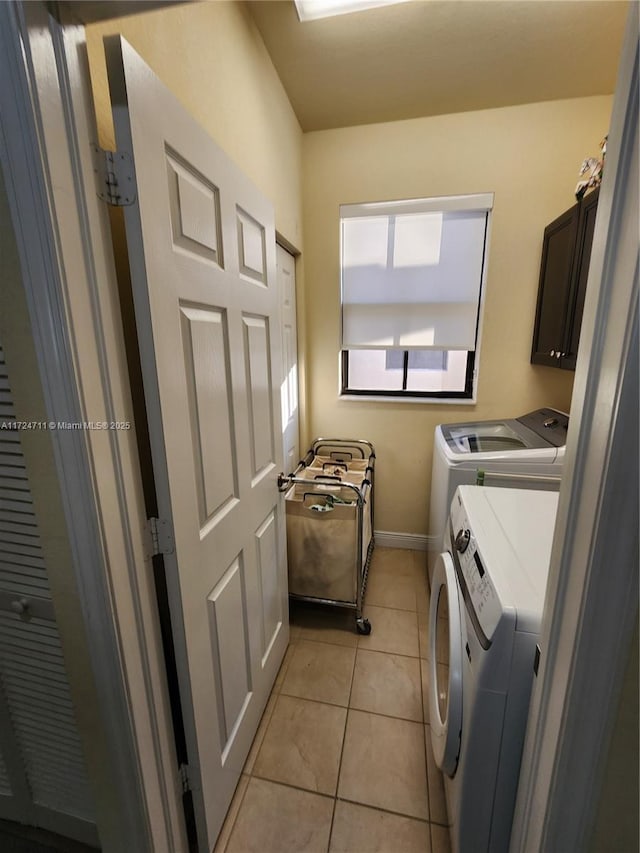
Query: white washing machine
x,y
486,607
533,444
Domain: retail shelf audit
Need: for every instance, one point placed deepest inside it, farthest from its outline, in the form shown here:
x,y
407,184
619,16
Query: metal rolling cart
x,y
329,512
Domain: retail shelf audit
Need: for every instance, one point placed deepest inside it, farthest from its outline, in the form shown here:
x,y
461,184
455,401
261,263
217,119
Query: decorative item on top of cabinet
x,y
566,252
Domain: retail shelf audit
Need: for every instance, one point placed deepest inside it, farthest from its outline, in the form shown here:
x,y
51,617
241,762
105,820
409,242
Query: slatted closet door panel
x,y
5,785
22,569
37,694
43,779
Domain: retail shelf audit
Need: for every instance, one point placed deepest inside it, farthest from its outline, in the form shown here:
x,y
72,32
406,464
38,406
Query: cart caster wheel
x,y
363,626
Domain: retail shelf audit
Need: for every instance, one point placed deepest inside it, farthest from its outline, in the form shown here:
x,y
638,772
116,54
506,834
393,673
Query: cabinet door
x,y
586,226
554,288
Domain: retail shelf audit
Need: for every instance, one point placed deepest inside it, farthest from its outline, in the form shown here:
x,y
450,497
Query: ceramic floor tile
x,y
432,556
387,684
262,730
437,801
324,624
423,635
302,745
396,561
383,764
440,841
389,590
234,808
421,582
284,666
424,673
320,671
359,828
420,560
277,819
422,598
393,631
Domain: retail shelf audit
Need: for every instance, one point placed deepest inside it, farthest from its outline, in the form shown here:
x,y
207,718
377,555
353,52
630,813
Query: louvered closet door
x,y
43,780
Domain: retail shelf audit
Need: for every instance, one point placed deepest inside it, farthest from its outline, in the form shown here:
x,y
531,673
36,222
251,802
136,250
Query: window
x,y
412,274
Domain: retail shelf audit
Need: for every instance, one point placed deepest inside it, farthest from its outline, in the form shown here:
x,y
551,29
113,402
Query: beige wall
x,y
529,157
212,57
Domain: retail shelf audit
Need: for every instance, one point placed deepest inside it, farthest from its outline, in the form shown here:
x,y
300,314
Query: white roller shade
x,y
411,280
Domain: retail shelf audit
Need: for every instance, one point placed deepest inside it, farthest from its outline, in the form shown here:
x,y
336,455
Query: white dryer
x,y
486,605
532,444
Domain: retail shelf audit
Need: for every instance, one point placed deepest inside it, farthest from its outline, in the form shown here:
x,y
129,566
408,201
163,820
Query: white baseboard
x,y
410,541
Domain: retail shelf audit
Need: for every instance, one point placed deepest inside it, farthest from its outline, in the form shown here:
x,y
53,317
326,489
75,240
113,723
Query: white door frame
x,y
289,312
66,258
592,596
304,439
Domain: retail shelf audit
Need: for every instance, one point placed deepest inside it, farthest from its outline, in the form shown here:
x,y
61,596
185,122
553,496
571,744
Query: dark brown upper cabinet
x,y
566,252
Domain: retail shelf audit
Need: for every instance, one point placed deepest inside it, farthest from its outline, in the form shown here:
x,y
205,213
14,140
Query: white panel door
x,y
286,268
202,253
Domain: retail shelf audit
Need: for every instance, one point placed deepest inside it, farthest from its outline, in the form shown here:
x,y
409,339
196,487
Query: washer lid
x,y
536,436
487,437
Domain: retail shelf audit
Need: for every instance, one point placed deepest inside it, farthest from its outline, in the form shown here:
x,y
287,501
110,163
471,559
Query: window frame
x,y
467,394
477,201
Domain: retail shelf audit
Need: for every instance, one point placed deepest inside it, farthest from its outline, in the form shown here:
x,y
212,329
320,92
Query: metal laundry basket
x,y
329,512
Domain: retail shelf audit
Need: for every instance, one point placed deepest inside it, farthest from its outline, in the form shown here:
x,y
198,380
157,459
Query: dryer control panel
x,y
475,582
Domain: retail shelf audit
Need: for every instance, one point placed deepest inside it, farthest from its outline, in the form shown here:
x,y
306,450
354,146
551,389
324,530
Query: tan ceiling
x,y
429,57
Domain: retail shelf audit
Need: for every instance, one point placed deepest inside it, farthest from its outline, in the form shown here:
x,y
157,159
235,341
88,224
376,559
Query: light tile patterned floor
x,y
342,760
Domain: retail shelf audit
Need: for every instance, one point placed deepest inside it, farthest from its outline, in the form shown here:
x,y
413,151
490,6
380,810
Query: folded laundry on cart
x,y
329,501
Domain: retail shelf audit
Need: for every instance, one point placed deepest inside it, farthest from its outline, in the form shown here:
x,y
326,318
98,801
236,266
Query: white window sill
x,y
431,401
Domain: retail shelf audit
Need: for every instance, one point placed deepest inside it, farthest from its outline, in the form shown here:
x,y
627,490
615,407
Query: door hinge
x,y
185,784
116,181
159,537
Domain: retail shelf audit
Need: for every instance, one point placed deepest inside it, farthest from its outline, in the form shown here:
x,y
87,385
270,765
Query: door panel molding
x,y
226,322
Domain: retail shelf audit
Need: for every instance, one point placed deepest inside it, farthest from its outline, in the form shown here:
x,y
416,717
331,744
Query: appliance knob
x,y
550,422
462,540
